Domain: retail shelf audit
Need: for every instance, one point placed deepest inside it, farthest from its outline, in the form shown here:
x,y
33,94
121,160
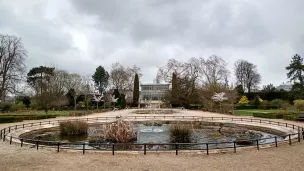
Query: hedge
x,y
19,118
265,107
268,115
289,117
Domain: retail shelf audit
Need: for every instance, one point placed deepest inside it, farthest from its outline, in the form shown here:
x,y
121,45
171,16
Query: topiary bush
x,y
180,133
73,128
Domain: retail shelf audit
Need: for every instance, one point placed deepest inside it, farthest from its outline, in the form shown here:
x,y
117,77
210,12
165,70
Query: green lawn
x,y
248,112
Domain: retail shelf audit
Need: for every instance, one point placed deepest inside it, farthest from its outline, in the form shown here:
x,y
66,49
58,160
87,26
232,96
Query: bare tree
x,y
88,88
214,70
74,83
122,77
165,72
12,56
246,75
187,76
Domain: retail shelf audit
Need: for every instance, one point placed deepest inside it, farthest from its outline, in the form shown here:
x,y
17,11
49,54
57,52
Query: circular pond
x,y
160,134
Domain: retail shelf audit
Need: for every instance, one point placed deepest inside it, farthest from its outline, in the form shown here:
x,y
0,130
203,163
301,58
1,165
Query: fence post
x,y
9,129
258,147
1,133
83,148
4,135
176,149
289,139
113,146
207,148
11,140
37,143
234,146
303,133
292,126
15,127
276,141
145,149
286,124
21,142
260,121
58,144
23,126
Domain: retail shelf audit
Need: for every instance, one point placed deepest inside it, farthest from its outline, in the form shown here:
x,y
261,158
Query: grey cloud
x,y
148,33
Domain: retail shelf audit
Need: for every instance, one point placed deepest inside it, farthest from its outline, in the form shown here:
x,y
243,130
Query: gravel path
x,y
285,157
282,158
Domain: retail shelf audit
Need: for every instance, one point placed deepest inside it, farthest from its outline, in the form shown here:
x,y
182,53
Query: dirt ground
x,y
285,157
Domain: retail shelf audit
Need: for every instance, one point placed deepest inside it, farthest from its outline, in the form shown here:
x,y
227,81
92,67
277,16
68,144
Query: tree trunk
x,y
75,98
86,102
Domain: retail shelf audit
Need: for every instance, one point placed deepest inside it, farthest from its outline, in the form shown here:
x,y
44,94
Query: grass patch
x,y
250,112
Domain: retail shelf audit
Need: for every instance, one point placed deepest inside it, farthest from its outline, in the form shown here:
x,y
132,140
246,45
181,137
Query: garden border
x,y
5,134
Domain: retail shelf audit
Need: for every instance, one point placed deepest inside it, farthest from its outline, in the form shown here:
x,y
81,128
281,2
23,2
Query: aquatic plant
x,y
119,132
73,127
180,133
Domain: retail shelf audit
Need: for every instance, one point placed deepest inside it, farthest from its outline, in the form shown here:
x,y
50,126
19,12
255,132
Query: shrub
x,y
290,117
180,133
243,101
34,105
272,115
19,118
73,128
119,132
5,107
277,102
77,113
299,104
81,104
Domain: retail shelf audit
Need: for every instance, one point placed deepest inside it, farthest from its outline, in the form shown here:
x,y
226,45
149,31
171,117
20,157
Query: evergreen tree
x,y
122,101
136,90
39,77
101,79
174,91
296,75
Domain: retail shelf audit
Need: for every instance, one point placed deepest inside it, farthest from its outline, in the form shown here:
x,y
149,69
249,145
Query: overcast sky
x,y
79,35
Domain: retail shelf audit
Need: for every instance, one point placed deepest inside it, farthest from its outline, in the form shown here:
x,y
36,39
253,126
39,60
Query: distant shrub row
x,y
19,118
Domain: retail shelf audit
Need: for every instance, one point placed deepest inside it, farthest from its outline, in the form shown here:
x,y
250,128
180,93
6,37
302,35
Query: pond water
x,y
160,133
